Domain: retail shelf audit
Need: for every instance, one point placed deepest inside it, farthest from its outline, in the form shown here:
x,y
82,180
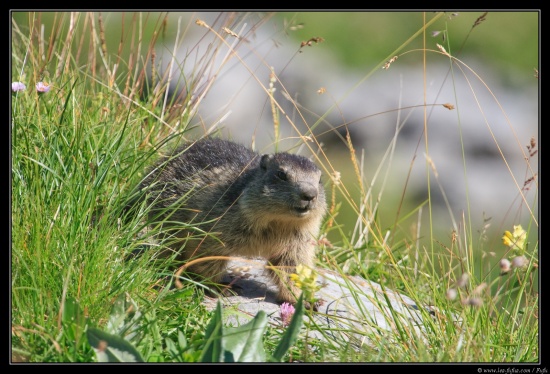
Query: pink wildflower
x,y
505,265
42,87
286,312
18,87
519,261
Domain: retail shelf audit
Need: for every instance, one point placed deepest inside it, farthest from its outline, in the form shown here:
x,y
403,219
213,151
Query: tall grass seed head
x,y
451,294
474,301
462,282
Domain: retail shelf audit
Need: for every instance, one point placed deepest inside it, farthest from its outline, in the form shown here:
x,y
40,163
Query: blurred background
x,y
334,76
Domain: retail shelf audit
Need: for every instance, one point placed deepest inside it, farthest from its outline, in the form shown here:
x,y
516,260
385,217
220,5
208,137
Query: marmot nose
x,y
308,192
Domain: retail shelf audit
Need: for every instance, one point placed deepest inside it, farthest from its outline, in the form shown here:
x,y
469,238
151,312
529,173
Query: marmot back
x,y
249,205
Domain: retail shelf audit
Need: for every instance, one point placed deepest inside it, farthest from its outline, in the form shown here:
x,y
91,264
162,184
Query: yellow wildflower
x,y
515,240
305,279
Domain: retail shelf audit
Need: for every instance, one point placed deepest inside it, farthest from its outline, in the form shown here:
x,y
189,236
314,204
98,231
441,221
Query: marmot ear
x,y
265,160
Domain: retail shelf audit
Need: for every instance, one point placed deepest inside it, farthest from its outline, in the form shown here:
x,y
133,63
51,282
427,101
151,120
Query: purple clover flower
x,y
18,87
286,312
42,87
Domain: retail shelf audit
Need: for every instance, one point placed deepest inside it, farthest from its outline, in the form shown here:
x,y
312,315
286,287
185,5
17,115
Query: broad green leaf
x,y
111,348
182,341
171,347
123,318
234,344
244,343
74,321
213,349
72,312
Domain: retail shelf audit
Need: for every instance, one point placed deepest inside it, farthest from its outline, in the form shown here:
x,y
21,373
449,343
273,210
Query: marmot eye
x,y
281,175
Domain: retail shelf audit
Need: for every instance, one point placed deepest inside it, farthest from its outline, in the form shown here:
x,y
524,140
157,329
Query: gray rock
x,y
353,310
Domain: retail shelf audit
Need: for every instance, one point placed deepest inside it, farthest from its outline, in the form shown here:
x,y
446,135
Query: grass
x,y
79,149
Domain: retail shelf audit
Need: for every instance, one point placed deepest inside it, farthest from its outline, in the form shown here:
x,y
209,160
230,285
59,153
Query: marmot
x,y
244,204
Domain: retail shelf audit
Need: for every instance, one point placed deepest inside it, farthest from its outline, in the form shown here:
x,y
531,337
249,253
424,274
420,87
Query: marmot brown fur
x,y
239,203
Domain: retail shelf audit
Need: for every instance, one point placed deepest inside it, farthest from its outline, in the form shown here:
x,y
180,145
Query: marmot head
x,y
288,186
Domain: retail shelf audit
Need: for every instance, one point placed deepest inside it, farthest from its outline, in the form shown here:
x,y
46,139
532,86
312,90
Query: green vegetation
x,y
82,140
359,37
